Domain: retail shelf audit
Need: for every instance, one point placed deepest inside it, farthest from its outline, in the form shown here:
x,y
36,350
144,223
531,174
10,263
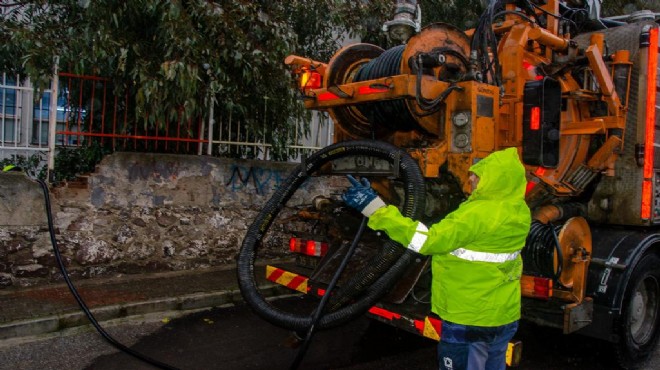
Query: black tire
x,y
365,287
640,319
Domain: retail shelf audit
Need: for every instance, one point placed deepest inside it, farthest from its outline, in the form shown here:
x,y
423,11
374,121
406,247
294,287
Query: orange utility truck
x,y
576,94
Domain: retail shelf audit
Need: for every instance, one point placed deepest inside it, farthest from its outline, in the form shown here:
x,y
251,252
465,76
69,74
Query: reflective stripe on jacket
x,y
475,250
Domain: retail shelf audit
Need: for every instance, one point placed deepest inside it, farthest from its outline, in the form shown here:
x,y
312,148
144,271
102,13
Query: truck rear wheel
x,y
638,329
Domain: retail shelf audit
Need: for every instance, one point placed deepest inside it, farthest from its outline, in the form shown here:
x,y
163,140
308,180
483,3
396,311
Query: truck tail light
x,y
536,287
649,142
308,247
541,120
535,119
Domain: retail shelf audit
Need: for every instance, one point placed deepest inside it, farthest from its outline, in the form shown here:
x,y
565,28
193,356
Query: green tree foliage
x,y
463,14
32,34
174,55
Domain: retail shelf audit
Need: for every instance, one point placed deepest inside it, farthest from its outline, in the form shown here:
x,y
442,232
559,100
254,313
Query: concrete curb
x,y
185,303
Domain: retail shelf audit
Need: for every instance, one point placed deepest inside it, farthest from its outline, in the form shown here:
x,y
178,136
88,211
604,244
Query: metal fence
x,y
93,112
231,137
85,111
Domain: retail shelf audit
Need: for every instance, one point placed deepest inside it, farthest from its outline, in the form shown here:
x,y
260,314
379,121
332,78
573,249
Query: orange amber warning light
x,y
309,79
536,287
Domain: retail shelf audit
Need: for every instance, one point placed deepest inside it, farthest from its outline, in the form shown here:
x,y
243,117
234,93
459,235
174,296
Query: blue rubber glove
x,y
362,197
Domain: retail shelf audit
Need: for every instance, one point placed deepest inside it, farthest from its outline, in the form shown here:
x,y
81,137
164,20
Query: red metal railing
x,y
92,112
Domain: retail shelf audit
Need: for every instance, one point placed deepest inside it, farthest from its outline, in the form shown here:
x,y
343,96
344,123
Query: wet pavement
x,y
197,320
34,311
235,338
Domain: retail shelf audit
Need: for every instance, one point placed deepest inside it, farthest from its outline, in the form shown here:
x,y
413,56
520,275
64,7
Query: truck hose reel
x,y
380,113
366,62
561,253
539,252
364,288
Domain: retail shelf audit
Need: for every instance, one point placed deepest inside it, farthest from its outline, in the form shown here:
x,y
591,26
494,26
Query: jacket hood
x,y
501,175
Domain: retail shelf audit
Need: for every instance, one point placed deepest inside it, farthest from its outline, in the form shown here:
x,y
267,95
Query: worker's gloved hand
x,y
362,197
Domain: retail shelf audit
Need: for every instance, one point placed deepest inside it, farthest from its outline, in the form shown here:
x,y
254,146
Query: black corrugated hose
x,y
81,303
540,249
365,287
324,300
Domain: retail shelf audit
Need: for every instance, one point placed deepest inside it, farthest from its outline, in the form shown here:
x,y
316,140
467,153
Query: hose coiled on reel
x,y
381,113
539,252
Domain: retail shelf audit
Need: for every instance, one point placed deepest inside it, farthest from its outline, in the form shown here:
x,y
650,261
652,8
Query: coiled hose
x,y
380,113
371,283
539,252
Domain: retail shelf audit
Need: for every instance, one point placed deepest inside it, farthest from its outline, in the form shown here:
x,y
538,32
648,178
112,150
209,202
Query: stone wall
x,y
141,213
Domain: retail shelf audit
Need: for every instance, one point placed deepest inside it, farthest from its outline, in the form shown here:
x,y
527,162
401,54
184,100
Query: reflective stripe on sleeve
x,y
419,238
469,255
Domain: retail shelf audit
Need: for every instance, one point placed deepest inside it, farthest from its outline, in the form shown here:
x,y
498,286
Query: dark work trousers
x,y
464,347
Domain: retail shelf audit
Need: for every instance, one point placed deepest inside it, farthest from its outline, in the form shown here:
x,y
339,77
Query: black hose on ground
x,y
319,310
81,302
367,286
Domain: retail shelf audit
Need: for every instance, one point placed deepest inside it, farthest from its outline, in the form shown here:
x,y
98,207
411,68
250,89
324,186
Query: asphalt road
x,y
234,338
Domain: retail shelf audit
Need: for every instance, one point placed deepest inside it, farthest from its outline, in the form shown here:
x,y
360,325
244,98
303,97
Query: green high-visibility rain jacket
x,y
475,260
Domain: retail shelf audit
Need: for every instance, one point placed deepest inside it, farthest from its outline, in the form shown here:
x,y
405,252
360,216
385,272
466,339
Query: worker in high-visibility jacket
x,y
476,263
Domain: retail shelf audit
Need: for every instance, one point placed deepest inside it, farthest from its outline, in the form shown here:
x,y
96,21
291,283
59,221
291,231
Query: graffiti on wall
x,y
263,179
